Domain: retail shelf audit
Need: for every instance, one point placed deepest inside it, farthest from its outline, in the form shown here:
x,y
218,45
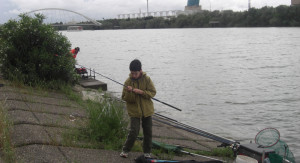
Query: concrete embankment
x,y
40,120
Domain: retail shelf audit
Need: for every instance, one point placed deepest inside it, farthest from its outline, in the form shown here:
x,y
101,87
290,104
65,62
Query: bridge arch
x,y
47,9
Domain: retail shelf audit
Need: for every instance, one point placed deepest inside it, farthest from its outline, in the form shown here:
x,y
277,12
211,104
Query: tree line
x,y
281,16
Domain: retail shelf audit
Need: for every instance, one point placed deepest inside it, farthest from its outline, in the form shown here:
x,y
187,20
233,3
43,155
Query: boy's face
x,y
136,74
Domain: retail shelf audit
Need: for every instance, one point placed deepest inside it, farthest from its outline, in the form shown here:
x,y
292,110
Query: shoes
x,y
147,155
124,154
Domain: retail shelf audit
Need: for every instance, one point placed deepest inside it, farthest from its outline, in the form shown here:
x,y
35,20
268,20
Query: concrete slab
x,y
209,143
37,99
97,155
26,134
35,92
50,101
45,108
45,119
22,117
39,153
93,84
9,95
60,120
56,134
165,132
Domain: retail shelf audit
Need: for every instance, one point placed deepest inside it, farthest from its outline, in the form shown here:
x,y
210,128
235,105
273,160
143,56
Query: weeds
x,y
219,152
106,122
162,154
106,127
138,146
5,141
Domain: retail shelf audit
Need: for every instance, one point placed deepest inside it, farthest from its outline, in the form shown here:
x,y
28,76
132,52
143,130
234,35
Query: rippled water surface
x,y
229,81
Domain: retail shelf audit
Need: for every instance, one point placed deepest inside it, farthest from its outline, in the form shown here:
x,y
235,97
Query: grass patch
x,y
163,154
218,152
106,127
166,151
72,95
138,146
107,122
5,141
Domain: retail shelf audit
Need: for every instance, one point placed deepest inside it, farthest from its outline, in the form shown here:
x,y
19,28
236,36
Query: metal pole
x,y
263,156
90,73
94,74
147,9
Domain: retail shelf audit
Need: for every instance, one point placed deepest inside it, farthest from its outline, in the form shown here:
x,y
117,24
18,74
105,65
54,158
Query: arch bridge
x,y
63,17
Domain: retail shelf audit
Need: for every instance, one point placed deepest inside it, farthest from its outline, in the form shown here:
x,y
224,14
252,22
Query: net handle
x,y
270,128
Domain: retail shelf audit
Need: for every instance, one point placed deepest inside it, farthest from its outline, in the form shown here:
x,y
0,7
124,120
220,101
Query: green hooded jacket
x,y
139,105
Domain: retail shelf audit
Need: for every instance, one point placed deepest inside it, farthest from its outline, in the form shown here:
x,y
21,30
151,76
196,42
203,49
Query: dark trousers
x,y
134,131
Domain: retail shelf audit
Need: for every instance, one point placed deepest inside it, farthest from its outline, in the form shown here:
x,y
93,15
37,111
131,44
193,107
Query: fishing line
x,y
126,86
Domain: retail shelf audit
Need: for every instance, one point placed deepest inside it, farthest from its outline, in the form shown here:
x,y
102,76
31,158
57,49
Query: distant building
x,y
192,7
295,2
193,3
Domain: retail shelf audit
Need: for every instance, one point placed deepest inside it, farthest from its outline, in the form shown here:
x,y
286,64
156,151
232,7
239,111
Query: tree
x,y
35,53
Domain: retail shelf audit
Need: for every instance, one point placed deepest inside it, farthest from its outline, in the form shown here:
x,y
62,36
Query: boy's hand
x,y
129,89
134,90
138,91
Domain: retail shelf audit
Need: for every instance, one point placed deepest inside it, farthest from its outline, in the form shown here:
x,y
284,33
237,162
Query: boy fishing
x,y
138,91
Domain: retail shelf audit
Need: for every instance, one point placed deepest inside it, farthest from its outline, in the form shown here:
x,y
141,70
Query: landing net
x,y
270,138
267,137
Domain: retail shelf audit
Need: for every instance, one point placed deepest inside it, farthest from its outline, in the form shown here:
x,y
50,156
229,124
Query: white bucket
x,y
244,159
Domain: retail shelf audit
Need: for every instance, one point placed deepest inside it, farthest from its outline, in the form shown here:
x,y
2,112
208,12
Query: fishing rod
x,y
126,86
191,129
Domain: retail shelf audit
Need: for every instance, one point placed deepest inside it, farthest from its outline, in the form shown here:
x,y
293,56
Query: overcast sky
x,y
98,9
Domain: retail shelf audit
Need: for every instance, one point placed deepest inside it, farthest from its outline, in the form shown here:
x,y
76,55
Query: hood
x,y
143,75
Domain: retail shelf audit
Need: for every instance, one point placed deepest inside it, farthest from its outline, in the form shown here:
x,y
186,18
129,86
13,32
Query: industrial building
x,y
295,2
192,7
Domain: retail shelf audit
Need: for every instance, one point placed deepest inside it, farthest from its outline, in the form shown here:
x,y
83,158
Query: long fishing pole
x,y
175,123
126,86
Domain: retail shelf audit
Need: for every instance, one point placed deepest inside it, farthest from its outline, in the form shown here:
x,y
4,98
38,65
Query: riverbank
x,y
40,119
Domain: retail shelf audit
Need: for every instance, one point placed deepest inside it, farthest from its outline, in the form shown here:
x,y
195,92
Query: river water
x,y
232,82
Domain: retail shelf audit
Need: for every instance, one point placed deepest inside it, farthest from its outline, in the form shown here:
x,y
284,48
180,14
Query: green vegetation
x,y
35,54
5,142
106,127
219,152
164,155
107,123
281,16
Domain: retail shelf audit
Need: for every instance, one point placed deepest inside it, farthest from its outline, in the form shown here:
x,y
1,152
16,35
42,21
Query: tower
x,y
147,8
249,4
192,7
193,3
